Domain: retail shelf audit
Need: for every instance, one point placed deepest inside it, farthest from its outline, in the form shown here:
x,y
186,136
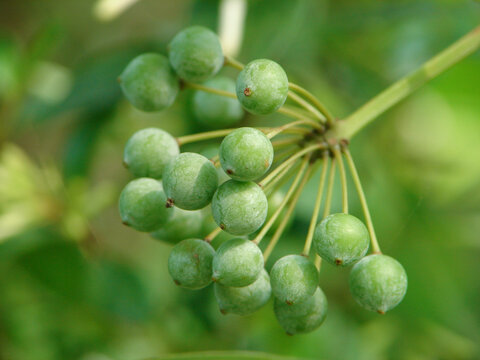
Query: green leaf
x,y
225,355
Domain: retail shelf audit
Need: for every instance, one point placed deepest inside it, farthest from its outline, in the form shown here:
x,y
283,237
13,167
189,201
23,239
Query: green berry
x,y
378,283
262,87
142,205
246,154
244,300
215,111
149,82
237,263
341,239
190,263
190,180
148,151
196,54
294,279
239,208
302,317
183,224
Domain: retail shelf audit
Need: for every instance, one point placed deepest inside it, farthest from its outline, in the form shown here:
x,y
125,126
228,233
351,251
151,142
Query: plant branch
x,y
328,198
460,49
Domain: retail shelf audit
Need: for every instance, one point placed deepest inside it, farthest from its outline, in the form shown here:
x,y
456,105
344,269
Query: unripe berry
x,y
262,87
183,224
246,154
239,208
244,300
196,54
341,239
142,205
378,283
302,317
190,180
190,263
148,151
237,263
294,279
149,82
215,111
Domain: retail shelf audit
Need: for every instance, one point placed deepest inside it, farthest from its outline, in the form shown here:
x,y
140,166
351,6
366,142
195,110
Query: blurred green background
x,y
76,284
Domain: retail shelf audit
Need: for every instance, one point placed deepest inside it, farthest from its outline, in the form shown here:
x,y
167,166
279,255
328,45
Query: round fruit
x,y
183,224
196,54
148,151
378,283
341,239
215,111
302,317
149,82
262,87
244,300
190,180
239,208
142,205
246,154
294,279
237,262
190,263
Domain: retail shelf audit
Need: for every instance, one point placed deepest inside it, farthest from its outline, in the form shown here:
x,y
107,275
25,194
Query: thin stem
x,y
289,193
208,135
281,227
281,178
229,61
328,197
343,178
318,262
306,105
282,128
287,162
363,202
460,49
182,140
313,99
212,235
316,208
285,142
210,90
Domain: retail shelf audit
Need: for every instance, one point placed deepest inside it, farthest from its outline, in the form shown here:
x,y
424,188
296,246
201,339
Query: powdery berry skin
x,y
302,317
262,87
183,224
378,283
148,151
341,239
215,111
190,180
196,54
190,263
237,262
244,300
149,82
142,205
239,208
294,279
246,154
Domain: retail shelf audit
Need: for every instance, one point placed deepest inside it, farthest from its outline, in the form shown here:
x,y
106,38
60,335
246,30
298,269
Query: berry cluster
x,y
176,193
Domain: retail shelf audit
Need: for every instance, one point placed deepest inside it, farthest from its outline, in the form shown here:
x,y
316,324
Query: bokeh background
x,y
76,284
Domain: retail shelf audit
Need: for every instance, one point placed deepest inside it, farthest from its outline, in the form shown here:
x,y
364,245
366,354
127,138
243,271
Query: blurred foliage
x,y
76,284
